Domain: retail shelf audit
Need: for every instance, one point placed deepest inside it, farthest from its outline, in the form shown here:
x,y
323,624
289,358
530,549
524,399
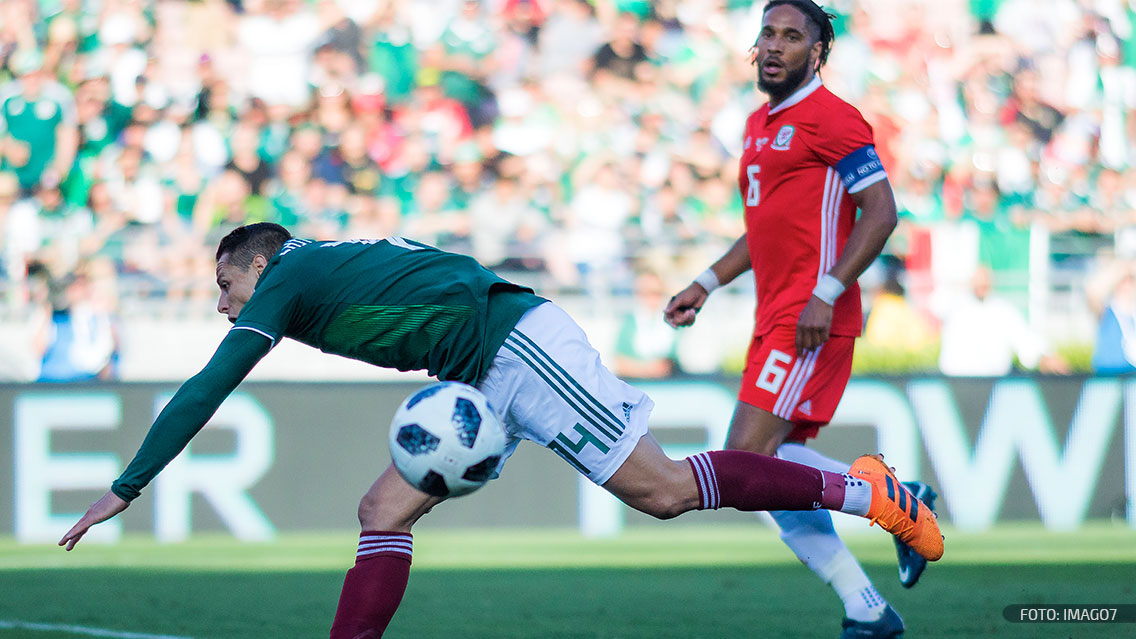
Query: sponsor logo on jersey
x,y
292,244
806,408
784,137
748,141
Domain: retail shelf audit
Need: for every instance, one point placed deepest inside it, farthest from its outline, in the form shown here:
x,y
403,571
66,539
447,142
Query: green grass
x,y
667,581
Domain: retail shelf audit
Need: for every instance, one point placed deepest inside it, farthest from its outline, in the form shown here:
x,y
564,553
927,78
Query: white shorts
x,y
547,385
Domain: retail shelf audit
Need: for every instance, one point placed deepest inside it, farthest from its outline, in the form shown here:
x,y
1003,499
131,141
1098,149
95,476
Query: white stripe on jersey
x,y
834,219
255,330
830,214
829,176
401,242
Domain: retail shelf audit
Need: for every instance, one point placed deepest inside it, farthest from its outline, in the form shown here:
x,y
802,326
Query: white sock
x,y
847,578
811,536
857,496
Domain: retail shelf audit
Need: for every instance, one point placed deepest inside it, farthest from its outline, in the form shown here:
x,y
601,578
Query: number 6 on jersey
x,y
753,193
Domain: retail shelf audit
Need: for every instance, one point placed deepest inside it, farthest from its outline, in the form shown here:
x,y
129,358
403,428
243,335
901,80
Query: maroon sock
x,y
373,588
748,481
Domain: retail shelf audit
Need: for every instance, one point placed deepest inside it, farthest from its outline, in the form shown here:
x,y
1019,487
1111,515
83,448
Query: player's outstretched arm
x,y
684,307
106,507
181,419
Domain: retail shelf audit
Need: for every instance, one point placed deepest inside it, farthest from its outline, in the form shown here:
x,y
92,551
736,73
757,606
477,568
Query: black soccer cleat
x,y
888,626
911,565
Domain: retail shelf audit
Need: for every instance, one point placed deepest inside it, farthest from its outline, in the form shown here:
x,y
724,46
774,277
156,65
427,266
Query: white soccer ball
x,y
445,440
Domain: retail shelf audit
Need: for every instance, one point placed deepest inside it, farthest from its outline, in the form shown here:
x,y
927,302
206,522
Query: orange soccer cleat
x,y
898,511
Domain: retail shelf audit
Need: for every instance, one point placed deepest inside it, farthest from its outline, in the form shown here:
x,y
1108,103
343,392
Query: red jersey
x,y
799,162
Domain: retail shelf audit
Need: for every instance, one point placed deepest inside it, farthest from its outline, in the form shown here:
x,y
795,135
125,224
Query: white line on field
x,y
15,624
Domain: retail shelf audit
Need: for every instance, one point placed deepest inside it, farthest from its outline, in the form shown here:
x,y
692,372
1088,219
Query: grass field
x,y
727,581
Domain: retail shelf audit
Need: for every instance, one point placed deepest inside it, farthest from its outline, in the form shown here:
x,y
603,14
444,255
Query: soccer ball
x,y
445,440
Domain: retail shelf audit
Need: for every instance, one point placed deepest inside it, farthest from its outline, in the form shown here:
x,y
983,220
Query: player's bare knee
x,y
376,514
668,499
664,504
667,509
368,511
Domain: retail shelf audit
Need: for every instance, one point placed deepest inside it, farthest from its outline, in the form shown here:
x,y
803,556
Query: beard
x,y
781,89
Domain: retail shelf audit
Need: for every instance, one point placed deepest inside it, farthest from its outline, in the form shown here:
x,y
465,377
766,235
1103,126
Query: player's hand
x,y
106,507
813,325
684,307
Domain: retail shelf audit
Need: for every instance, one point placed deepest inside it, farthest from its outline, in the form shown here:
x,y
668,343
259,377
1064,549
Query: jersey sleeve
x,y
191,407
270,309
847,144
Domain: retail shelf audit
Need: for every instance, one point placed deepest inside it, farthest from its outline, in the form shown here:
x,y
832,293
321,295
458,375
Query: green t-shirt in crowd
x,y
35,121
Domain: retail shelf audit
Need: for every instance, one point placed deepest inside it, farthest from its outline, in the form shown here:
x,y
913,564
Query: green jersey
x,y
35,122
393,303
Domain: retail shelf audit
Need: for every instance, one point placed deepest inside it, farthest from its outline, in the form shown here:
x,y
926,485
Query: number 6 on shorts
x,y
774,371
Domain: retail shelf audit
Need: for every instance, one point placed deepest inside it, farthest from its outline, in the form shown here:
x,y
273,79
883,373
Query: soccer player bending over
x,y
399,304
808,163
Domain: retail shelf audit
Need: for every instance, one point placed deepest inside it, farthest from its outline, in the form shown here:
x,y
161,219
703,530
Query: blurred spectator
x,y
464,55
507,231
134,185
515,56
434,218
1003,236
341,34
666,224
245,158
392,55
226,203
38,134
79,340
1115,350
279,37
442,121
569,38
598,211
893,322
47,229
983,333
348,164
645,347
622,54
12,266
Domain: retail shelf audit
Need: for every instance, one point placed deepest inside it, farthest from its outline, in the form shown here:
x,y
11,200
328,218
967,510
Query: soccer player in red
x,y
808,163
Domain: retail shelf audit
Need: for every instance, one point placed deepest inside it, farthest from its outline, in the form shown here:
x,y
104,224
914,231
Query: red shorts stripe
x,y
804,390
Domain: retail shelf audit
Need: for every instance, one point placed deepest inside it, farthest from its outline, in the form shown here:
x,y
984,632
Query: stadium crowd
x,y
574,144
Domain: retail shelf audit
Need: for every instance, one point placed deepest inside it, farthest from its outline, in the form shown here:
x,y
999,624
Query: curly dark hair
x,y
820,20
